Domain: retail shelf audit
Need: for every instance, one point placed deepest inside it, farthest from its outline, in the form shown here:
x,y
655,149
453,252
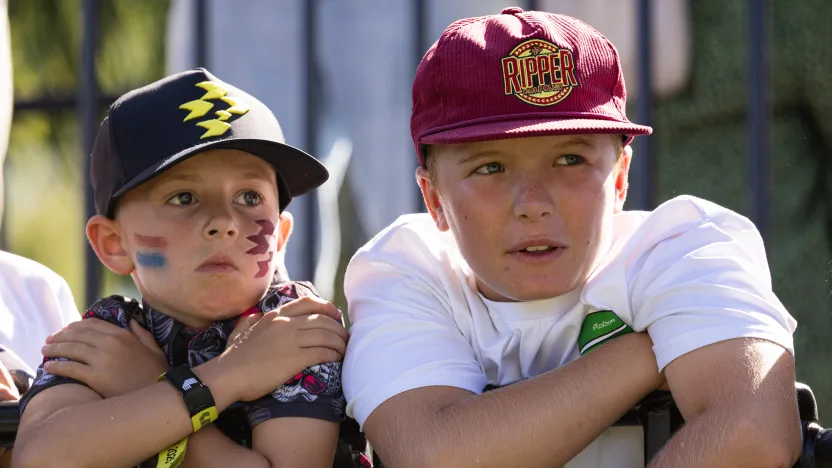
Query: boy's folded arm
x,y
296,442
548,419
155,415
297,424
209,447
281,442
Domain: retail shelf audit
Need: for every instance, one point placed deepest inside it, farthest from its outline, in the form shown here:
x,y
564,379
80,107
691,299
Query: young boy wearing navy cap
x,y
527,277
191,177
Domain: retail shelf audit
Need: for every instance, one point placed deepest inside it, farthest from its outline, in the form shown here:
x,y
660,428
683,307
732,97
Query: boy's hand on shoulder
x,y
109,359
265,353
242,327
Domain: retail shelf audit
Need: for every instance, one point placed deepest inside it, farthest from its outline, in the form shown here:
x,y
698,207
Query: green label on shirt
x,y
599,327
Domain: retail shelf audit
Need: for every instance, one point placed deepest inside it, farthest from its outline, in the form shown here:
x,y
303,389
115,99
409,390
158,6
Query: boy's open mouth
x,y
536,246
537,249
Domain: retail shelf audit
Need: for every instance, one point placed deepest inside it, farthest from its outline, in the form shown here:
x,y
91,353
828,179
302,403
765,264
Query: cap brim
x,y
532,127
300,171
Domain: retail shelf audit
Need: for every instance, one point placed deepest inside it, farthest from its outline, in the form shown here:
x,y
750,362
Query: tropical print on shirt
x,y
314,393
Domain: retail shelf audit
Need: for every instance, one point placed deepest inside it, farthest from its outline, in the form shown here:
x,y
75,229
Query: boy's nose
x,y
533,202
220,227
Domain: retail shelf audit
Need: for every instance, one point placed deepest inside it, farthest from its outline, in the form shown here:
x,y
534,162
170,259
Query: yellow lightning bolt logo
x,y
215,91
235,107
215,128
200,107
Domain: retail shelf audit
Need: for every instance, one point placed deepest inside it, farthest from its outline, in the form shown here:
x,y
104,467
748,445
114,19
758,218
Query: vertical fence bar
x,y
201,33
420,18
532,5
88,111
312,121
6,99
759,118
642,184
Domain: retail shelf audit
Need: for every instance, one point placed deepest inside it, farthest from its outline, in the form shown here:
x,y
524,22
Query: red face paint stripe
x,y
261,239
150,241
264,266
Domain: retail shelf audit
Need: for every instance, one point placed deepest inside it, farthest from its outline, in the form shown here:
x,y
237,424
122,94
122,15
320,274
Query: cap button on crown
x,y
511,11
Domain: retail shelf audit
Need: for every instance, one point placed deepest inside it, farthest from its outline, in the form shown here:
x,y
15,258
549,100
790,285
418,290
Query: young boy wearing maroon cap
x,y
191,178
528,276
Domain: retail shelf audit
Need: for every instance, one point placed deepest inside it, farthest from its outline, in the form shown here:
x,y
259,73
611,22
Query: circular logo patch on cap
x,y
539,72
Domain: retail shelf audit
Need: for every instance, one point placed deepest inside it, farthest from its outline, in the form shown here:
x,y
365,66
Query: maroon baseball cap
x,y
518,74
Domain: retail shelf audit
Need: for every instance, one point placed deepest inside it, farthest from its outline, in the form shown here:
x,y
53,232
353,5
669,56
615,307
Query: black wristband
x,y
197,396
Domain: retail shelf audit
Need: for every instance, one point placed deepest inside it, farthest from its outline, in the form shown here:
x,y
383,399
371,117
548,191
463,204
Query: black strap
x,y
197,396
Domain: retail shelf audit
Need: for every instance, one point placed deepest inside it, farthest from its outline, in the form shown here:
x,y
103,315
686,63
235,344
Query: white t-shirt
x,y
34,303
691,273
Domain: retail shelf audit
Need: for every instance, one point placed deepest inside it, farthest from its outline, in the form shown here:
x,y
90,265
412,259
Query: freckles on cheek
x,y
264,244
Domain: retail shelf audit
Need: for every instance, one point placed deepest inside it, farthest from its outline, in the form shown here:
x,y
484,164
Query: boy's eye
x,y
490,168
182,198
569,160
249,198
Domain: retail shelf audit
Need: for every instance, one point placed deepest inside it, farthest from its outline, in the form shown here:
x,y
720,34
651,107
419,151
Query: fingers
x,y
323,322
308,306
78,352
8,393
243,325
322,338
320,355
145,337
69,369
89,331
99,325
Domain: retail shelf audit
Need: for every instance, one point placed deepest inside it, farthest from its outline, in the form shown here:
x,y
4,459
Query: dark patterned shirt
x,y
313,393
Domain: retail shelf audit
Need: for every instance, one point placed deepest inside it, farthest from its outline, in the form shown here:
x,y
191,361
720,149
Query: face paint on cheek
x,y
150,241
261,239
263,244
151,259
264,266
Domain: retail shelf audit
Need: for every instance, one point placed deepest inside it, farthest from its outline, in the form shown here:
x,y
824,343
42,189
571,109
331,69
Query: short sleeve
x,y
66,304
34,302
707,283
402,333
314,393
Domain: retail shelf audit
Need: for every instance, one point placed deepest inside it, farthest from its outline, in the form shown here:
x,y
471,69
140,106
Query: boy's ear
x,y
431,197
286,224
622,171
105,236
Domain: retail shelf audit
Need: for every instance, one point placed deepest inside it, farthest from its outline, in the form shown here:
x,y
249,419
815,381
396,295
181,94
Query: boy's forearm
x,y
211,448
547,419
557,414
722,439
155,415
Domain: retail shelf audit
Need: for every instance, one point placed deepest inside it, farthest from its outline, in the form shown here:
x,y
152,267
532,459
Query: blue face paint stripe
x,y
151,259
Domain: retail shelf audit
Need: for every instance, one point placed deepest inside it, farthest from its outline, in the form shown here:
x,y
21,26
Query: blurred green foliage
x,y
45,219
700,141
701,148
